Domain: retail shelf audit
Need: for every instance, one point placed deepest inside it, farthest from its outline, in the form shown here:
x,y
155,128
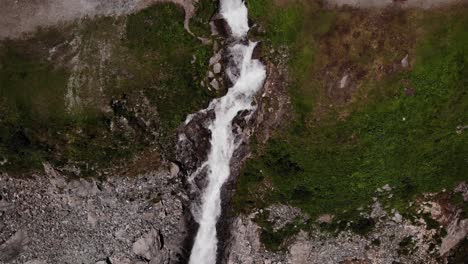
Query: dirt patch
x,y
360,46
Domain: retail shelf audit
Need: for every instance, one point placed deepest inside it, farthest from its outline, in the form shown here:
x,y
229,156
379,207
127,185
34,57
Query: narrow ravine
x,y
247,75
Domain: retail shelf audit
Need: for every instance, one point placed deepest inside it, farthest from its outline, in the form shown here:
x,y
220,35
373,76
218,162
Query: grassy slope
x,y
334,164
152,58
161,43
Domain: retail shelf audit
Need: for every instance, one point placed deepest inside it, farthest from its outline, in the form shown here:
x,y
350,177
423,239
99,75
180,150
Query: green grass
x,y
281,24
31,93
158,38
199,24
35,124
410,142
153,58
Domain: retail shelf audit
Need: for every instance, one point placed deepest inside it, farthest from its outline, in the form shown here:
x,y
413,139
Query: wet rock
x,y
174,170
221,26
233,64
194,142
240,121
257,52
200,181
214,31
215,84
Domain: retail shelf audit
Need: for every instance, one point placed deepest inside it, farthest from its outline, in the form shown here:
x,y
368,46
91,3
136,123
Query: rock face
x,y
244,242
50,219
457,231
321,247
194,141
394,238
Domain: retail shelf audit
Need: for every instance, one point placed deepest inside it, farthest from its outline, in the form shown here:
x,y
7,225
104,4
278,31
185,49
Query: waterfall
x,y
238,98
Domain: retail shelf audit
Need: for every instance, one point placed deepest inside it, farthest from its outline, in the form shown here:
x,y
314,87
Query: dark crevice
x,y
161,240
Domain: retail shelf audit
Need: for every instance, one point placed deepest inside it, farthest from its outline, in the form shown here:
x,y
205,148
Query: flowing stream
x,y
248,78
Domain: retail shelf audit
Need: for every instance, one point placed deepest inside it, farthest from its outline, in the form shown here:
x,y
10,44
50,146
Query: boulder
x,y
148,246
217,68
215,84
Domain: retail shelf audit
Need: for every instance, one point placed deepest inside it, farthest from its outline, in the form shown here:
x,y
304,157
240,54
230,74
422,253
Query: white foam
x,y
238,98
235,14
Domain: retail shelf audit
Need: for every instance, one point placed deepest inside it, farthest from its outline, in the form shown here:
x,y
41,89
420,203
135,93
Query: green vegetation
x,y
282,24
273,239
457,200
157,36
332,160
407,246
199,24
151,59
35,123
31,94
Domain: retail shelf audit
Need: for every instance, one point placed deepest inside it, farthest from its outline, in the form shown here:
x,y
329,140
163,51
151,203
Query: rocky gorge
x,y
143,213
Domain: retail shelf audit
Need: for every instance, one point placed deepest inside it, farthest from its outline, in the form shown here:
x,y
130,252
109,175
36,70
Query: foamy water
x,y
238,98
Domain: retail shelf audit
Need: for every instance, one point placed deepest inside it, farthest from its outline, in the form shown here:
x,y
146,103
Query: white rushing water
x,y
238,98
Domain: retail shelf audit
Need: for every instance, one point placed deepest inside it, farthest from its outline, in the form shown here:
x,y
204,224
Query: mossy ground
x,y
389,125
148,54
157,37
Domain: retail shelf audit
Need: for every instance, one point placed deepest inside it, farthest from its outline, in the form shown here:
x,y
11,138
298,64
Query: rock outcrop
x,y
384,245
